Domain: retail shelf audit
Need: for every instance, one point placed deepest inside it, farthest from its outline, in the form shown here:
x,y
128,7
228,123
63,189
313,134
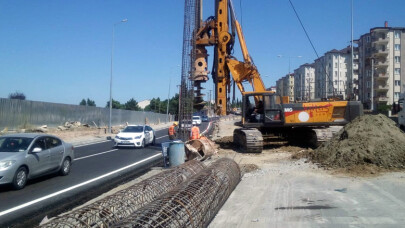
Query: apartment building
x,y
381,66
288,89
280,87
331,74
304,82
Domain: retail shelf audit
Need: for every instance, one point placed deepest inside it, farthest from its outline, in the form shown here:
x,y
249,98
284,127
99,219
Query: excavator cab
x,y
262,108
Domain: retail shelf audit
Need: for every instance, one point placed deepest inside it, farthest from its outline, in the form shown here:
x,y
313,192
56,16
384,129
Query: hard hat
x,y
175,123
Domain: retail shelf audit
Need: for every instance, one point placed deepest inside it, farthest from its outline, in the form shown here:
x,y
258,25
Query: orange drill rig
x,y
264,114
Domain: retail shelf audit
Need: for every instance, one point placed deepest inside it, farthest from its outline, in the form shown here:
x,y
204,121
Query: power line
x,y
312,45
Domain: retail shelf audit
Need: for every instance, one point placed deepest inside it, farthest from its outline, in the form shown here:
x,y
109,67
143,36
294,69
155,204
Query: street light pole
x,y
111,75
168,99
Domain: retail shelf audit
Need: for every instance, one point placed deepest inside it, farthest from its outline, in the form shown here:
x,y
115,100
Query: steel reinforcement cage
x,y
114,208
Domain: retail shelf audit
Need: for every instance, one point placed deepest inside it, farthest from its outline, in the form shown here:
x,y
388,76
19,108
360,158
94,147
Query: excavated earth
x,y
368,142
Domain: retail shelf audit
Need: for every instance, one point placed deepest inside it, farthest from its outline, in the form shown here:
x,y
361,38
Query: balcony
x,y
382,99
381,87
381,63
382,76
379,52
379,39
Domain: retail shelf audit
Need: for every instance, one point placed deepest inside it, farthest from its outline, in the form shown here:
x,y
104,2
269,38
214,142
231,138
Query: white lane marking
x,y
92,143
73,187
95,154
162,137
208,127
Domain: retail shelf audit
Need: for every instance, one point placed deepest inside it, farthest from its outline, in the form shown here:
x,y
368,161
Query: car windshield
x,y
196,118
133,129
14,144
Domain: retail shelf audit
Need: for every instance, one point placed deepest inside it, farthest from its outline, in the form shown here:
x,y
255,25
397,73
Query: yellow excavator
x,y
264,113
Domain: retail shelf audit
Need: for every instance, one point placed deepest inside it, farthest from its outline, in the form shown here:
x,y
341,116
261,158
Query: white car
x,y
197,120
135,136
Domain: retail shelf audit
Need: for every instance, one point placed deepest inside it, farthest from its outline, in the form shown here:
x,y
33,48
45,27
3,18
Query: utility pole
x,y
350,84
372,84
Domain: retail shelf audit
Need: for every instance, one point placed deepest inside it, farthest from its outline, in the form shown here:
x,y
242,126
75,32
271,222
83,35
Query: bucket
x,y
176,153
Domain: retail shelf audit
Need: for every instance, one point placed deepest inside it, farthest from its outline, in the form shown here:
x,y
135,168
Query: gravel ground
x,y
278,191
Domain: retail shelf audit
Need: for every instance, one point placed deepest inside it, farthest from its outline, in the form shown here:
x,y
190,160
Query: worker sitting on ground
x,y
195,132
173,131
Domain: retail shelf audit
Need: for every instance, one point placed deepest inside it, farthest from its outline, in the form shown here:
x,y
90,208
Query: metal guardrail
x,y
194,203
114,208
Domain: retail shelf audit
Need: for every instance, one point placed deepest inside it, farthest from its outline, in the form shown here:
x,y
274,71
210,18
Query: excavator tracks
x,y
312,137
248,140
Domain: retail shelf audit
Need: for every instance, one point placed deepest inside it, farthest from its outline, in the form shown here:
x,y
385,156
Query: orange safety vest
x,y
171,130
195,133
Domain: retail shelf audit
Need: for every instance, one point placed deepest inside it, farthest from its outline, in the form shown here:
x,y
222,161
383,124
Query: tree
x,y
17,95
115,104
83,102
161,106
132,104
154,105
90,102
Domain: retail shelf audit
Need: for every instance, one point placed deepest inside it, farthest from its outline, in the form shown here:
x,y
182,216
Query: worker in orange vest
x,y
173,131
195,132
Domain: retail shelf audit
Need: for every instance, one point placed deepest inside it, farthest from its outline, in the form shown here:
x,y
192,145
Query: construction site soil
x,y
369,144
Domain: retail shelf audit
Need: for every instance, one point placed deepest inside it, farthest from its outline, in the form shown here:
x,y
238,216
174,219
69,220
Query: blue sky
x,y
60,51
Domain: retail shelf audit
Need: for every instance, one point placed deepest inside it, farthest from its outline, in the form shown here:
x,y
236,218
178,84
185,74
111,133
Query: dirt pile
x,y
369,139
225,142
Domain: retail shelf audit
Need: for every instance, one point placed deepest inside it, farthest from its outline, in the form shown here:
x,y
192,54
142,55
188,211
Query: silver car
x,y
28,155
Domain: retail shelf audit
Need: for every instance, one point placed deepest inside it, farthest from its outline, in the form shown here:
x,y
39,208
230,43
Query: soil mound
x,y
368,139
225,142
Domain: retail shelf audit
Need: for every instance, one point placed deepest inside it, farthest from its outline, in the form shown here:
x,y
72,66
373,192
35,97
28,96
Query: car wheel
x,y
154,140
143,143
20,178
65,169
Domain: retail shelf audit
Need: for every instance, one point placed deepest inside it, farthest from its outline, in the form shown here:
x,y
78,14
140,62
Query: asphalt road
x,y
97,168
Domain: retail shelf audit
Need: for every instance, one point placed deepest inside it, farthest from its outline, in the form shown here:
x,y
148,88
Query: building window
x,y
397,47
335,65
368,84
396,95
368,39
396,34
397,71
397,59
368,94
397,82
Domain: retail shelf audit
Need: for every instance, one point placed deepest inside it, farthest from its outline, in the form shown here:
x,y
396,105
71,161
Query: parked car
x,y
204,119
28,155
197,120
135,136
